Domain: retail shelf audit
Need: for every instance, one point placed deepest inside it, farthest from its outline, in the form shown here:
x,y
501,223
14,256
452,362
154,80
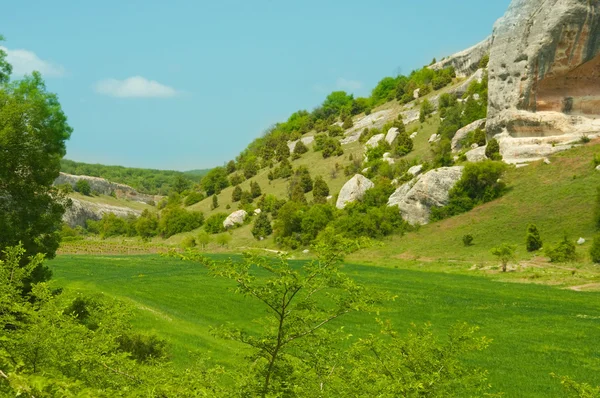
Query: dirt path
x,y
585,288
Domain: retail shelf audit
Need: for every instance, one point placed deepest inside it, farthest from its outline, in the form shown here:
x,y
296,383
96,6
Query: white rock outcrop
x,y
434,138
391,135
476,155
353,190
415,199
374,141
467,61
387,157
305,140
374,120
544,75
81,211
462,134
236,218
415,170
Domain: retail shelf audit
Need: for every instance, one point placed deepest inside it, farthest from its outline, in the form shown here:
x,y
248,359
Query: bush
x,y
348,123
300,148
147,225
246,198
215,202
533,240
563,252
505,254
223,240
188,242
255,190
236,195
404,144
426,110
320,190
467,240
335,131
175,220
597,210
492,151
479,137
332,147
262,227
193,198
83,187
595,250
203,239
214,223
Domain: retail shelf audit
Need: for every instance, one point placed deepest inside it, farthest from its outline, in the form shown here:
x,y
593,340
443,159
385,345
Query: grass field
x,y
535,329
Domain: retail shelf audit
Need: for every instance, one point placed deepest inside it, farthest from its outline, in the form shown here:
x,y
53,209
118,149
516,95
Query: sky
x,y
189,84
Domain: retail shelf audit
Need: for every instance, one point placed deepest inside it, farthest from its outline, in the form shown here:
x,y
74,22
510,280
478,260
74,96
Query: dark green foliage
x,y
181,184
468,240
143,348
300,148
231,168
250,165
296,190
320,190
403,144
479,137
332,147
426,110
246,198
533,241
595,250
314,220
175,220
214,223
597,210
193,198
348,123
335,131
149,181
236,179
492,151
147,225
262,226
366,134
288,225
255,189
215,202
443,153
215,181
236,195
83,187
110,225
306,181
282,152
376,152
480,183
562,252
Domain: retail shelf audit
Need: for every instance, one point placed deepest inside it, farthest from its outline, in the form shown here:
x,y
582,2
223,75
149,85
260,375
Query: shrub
x,y
335,131
255,190
479,137
215,202
467,240
562,252
175,220
188,242
300,148
426,110
533,240
485,60
597,210
348,123
214,223
320,190
66,188
236,195
404,144
595,249
203,239
262,227
505,254
246,198
236,179
83,187
193,198
332,147
492,151
142,348
147,225
223,240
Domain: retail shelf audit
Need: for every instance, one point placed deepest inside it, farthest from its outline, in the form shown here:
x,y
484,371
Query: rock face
x,y
415,199
235,218
305,140
476,155
374,120
462,134
353,190
544,71
467,61
391,135
105,187
415,170
374,141
82,210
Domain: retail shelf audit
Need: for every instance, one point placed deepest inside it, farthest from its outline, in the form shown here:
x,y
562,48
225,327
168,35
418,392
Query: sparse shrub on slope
x,y
236,194
562,252
426,110
480,183
533,240
492,151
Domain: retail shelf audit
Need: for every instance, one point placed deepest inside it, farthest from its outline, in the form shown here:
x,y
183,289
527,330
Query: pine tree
x,y
262,227
320,190
236,195
255,189
215,202
533,240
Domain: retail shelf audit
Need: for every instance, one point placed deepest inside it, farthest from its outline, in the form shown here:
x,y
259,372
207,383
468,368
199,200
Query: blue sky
x,y
188,84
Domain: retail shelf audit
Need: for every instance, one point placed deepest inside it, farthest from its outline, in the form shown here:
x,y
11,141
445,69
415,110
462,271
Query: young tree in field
x,y
203,239
33,132
320,190
533,240
262,226
505,254
215,202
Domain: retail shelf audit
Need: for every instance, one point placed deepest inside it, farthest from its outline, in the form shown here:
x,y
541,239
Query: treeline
x,y
148,181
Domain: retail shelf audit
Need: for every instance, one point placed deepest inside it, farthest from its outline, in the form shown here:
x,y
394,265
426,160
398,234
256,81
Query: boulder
x,y
466,62
353,190
416,198
374,120
387,157
414,135
235,218
417,93
580,241
81,211
305,140
462,134
543,74
434,138
415,170
476,155
391,135
374,141
257,212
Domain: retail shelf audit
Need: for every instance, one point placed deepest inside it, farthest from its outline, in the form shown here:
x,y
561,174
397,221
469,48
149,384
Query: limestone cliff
x,y
81,210
467,61
544,70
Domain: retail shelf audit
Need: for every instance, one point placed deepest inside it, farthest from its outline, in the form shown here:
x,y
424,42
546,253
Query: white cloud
x,y
134,87
24,62
349,85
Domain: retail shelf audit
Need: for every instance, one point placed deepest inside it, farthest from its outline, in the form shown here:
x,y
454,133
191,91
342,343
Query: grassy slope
x,y
536,330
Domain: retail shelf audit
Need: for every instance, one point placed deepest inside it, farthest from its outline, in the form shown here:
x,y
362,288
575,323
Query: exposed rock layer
x,y
81,210
354,190
467,61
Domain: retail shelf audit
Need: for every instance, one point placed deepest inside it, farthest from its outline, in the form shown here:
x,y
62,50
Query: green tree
x,y
426,110
320,190
296,190
215,181
214,223
255,189
215,202
348,123
236,195
492,151
181,184
33,132
193,198
223,239
262,226
147,225
595,250
203,239
533,241
562,252
300,148
83,187
175,220
231,168
505,254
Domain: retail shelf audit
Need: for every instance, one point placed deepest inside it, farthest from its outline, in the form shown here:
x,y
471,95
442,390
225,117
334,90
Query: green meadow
x,y
536,330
